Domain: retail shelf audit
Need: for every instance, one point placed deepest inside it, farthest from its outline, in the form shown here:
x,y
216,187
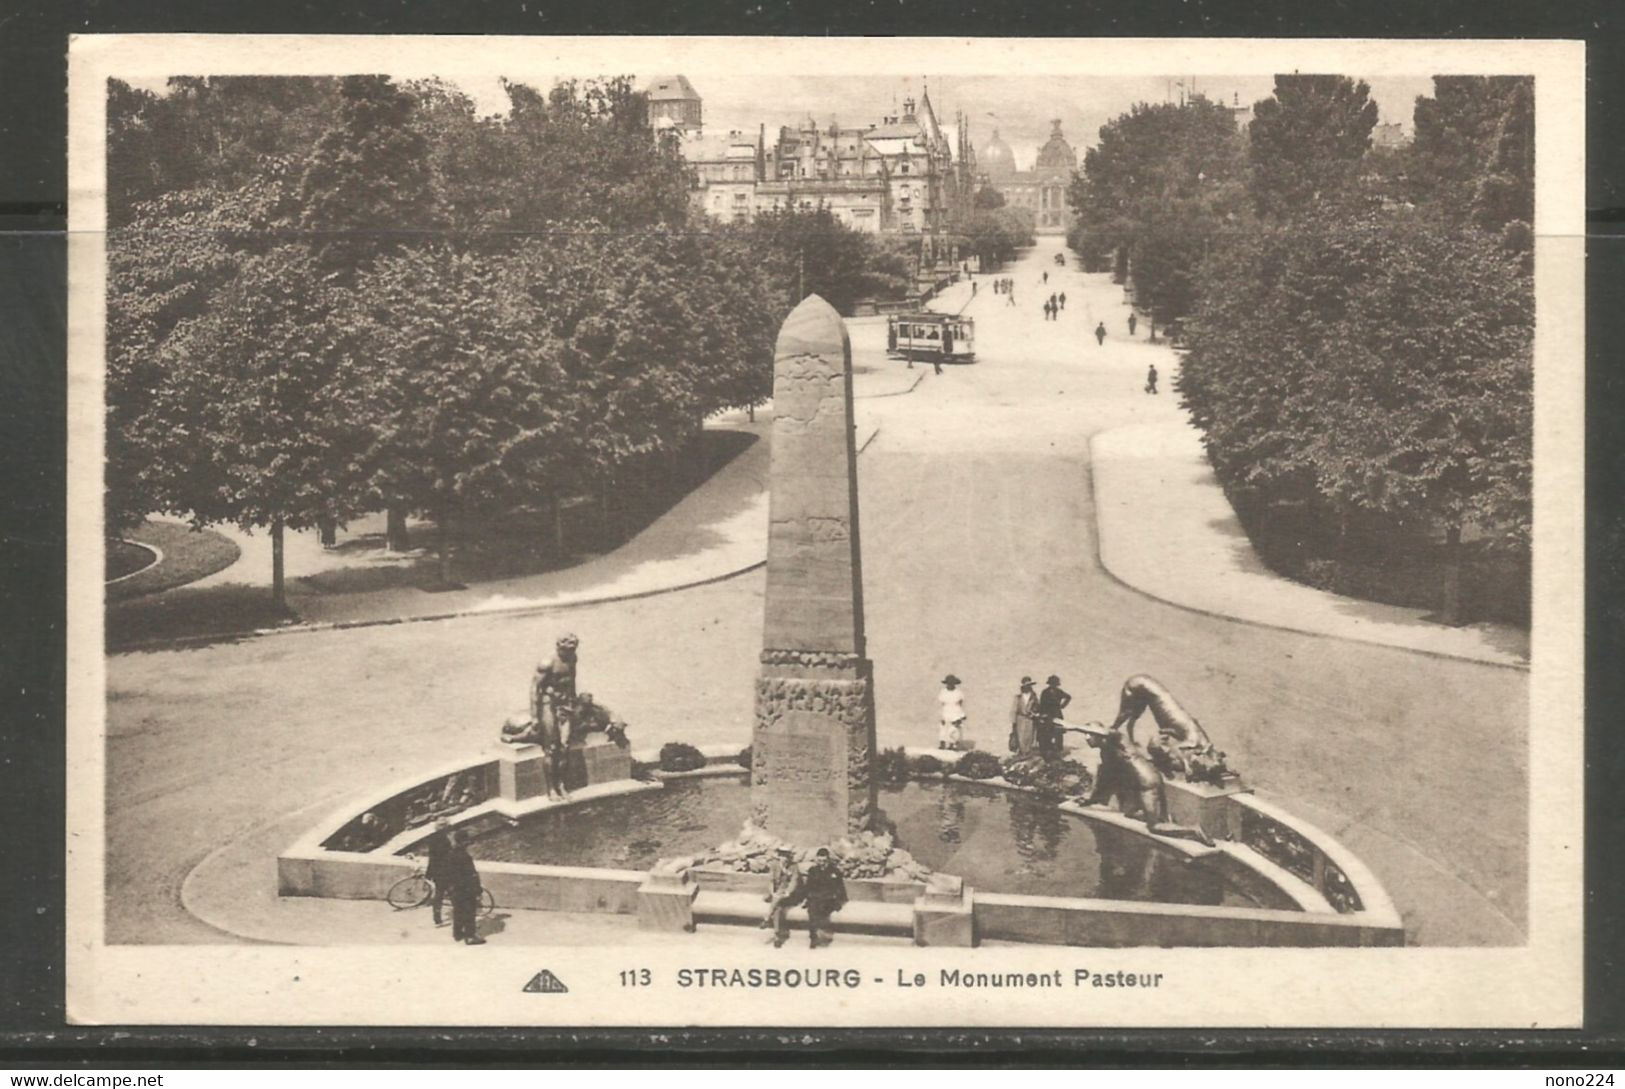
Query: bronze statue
x,y
591,717
1127,774
1180,744
552,711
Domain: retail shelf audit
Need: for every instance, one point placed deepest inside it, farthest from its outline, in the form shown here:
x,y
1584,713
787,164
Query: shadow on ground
x,y
497,551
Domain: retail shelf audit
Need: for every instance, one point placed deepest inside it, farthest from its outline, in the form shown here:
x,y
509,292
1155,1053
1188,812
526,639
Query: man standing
x,y
786,891
464,880
1023,731
826,894
1132,322
1151,379
951,702
1051,703
1062,299
1100,334
438,849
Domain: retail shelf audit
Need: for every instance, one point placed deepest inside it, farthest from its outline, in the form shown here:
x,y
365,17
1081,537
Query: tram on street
x,y
927,336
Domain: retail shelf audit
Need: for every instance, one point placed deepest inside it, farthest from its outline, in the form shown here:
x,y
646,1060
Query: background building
x,y
898,177
673,103
1041,190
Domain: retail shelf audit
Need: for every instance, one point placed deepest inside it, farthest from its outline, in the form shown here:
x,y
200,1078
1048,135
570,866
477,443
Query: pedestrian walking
x,y
826,894
438,849
464,880
786,889
1100,334
1132,322
1052,702
1151,379
1046,276
1010,298
1023,720
1063,300
973,289
951,713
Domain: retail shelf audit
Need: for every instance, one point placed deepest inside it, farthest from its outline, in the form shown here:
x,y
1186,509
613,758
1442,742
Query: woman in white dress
x,y
951,700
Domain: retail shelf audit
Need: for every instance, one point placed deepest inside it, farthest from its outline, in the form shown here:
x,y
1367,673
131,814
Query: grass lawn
x,y
189,554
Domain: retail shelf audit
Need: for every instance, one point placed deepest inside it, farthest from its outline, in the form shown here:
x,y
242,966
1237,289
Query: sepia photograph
x,y
845,532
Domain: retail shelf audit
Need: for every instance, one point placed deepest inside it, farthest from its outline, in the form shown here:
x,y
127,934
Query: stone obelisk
x,y
814,740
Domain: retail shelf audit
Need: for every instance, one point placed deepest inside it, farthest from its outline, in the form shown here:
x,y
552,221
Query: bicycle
x,y
415,890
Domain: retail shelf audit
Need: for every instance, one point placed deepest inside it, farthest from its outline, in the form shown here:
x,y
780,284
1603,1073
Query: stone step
x,y
857,917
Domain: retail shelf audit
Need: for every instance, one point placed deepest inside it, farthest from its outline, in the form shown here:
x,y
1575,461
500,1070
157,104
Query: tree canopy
x,y
1162,184
1307,140
1378,365
1473,159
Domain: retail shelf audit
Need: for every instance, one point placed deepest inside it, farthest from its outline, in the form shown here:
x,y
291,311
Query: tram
x,y
928,336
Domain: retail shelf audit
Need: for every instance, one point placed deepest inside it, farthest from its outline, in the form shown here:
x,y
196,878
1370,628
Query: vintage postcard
x,y
829,532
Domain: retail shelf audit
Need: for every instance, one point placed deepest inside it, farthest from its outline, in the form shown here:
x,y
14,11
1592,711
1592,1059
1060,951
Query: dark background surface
x,y
33,283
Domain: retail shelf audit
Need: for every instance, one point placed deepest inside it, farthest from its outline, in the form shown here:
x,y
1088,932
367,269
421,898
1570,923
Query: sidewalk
x,y
1167,530
717,530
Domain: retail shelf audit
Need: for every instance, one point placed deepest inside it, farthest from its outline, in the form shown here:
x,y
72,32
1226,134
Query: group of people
x,y
1035,721
1054,305
1006,286
819,887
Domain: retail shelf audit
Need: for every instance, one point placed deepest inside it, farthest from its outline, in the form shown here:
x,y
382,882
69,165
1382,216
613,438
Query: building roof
x,y
996,157
672,88
1057,154
716,148
895,145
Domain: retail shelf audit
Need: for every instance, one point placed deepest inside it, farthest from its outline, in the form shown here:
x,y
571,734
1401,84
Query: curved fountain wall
x,y
1340,902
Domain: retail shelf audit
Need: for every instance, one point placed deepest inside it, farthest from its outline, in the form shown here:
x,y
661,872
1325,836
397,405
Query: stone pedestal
x,y
1205,806
814,739
943,914
666,898
521,772
596,760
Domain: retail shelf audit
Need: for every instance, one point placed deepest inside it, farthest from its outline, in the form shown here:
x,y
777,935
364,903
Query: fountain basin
x,y
1269,854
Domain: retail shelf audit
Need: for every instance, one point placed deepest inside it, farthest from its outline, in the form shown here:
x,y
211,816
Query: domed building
x,y
996,159
1041,190
1056,154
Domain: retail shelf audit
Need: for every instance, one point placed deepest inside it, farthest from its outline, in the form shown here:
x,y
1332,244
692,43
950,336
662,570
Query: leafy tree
x,y
1373,366
583,152
1306,142
995,236
1473,159
809,252
987,199
217,132
368,185
164,267
259,416
471,162
1164,183
463,397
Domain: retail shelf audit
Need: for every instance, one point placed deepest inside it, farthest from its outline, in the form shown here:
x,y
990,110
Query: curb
x,y
380,622
1100,563
157,558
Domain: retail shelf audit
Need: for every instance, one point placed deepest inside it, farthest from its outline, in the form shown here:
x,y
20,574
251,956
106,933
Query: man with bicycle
x,y
438,848
463,886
